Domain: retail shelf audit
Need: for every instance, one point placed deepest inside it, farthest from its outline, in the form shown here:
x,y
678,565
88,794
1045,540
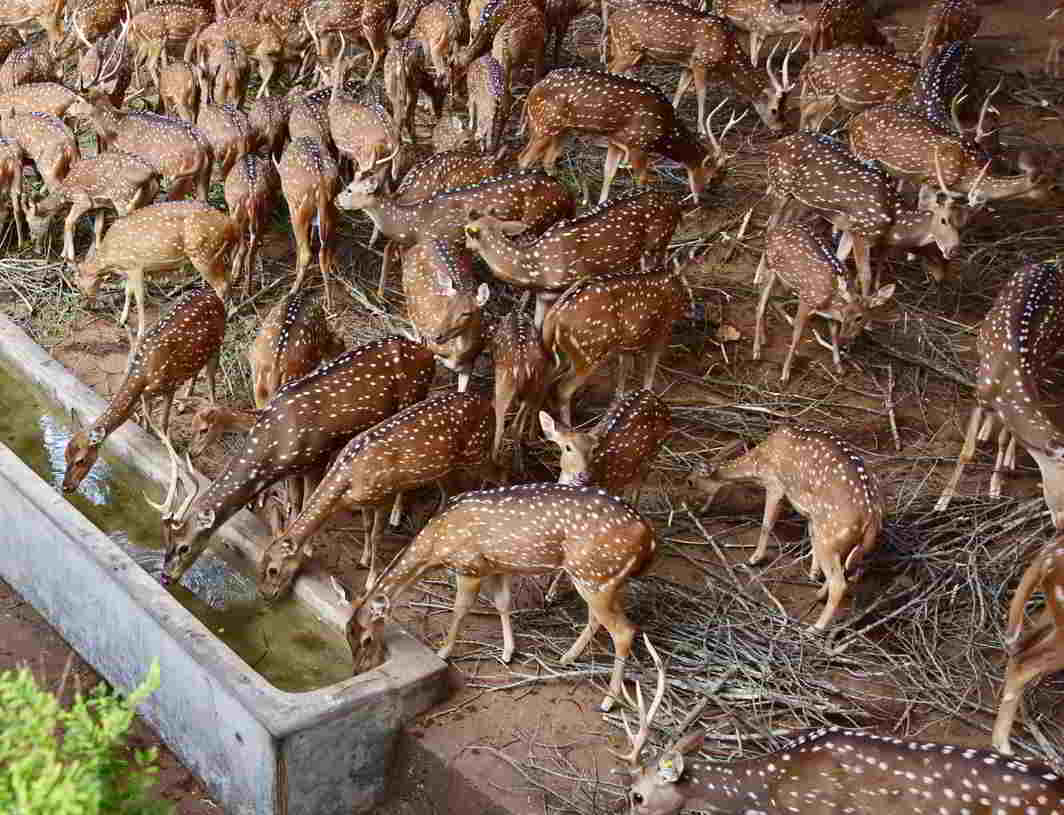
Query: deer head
x,y
851,309
81,453
577,449
281,562
772,104
716,157
463,306
206,429
483,229
185,534
363,629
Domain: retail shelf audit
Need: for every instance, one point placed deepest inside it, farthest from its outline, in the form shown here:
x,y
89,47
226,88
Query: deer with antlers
x,y
293,434
826,480
1017,339
490,535
617,235
851,78
184,340
707,46
831,770
1040,650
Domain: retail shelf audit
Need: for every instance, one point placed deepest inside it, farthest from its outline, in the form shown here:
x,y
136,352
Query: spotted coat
x,y
843,22
449,170
46,141
948,21
31,62
853,78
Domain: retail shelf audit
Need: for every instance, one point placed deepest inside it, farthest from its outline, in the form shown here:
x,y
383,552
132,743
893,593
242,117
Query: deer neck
x,y
235,419
393,220
911,229
122,403
324,503
508,262
741,786
682,146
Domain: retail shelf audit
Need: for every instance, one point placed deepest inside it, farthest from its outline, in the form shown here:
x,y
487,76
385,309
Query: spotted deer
x,y
618,451
797,257
489,102
184,340
228,69
226,129
610,314
423,443
762,19
440,26
363,20
11,184
824,478
706,46
10,39
490,535
853,79
44,140
618,235
1040,651
250,192
179,89
44,97
494,14
521,372
262,41
92,20
832,769
635,117
211,421
48,14
106,65
161,237
521,41
406,76
948,21
444,303
843,22
362,130
153,30
1017,339
292,435
114,180
268,124
308,180
31,62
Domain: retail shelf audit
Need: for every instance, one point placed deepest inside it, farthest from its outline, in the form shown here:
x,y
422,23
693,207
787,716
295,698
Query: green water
x,y
287,645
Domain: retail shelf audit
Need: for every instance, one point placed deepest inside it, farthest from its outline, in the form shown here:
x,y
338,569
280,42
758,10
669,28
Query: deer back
x,y
843,22
305,167
765,16
179,90
225,127
180,342
41,97
944,74
112,175
43,138
628,437
492,16
948,21
93,20
172,146
448,170
518,355
673,32
268,122
31,62
363,131
804,264
858,76
521,39
309,116
250,188
489,99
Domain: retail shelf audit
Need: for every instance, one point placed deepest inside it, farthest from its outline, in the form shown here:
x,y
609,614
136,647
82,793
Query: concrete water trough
x,y
258,749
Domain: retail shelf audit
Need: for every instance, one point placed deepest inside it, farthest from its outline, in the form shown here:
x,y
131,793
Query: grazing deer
x,y
262,41
405,77
762,18
490,535
619,450
179,89
423,443
612,314
843,22
294,433
44,97
184,340
1017,339
489,101
614,236
11,183
308,179
444,303
115,180
833,770
521,371
825,479
1040,651
268,124
161,237
948,21
635,117
707,46
153,30
853,78
44,140
796,257
176,149
250,192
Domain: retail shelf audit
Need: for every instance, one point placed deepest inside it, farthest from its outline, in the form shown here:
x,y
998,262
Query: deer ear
x,y
483,293
546,421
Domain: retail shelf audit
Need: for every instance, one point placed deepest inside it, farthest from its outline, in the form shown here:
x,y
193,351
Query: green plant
x,y
73,762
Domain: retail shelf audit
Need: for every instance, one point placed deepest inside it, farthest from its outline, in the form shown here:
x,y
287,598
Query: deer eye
x,y
272,571
637,798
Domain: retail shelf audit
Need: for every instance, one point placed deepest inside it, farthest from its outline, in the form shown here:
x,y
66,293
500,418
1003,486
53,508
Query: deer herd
x,y
185,97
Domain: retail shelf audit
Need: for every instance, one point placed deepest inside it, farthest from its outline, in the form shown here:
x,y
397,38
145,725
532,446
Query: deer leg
x,y
773,499
654,354
862,255
267,67
834,586
966,454
212,373
681,87
1042,658
593,623
386,265
504,397
638,162
138,292
762,303
698,74
1005,440
464,598
77,209
301,232
164,423
624,368
833,328
574,380
500,587
371,545
800,320
325,251
606,607
609,169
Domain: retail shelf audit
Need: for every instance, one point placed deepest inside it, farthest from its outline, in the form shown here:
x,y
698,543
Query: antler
x,y
938,174
177,473
718,148
980,134
645,716
973,199
784,85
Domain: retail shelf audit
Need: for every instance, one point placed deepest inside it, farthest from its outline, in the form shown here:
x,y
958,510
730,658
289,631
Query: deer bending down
x,y
345,396
1017,339
796,257
762,18
825,479
44,140
1040,651
11,183
615,236
948,21
172,351
853,78
250,191
521,370
832,770
421,444
491,535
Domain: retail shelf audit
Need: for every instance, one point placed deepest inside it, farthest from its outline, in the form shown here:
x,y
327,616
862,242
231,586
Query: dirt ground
x,y
535,735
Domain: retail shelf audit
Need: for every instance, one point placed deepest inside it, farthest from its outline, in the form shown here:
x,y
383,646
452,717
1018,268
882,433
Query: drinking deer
x,y
1041,649
308,179
843,22
184,340
161,237
621,313
798,258
444,303
635,117
490,535
762,18
707,46
832,769
418,445
614,236
489,101
948,21
853,78
826,480
1017,339
297,431
114,179
250,191
521,370
11,182
44,140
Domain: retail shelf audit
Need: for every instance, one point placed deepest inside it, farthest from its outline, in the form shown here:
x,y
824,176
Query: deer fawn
x,y
614,236
157,238
762,18
184,339
44,140
612,314
11,183
707,46
490,535
250,191
297,431
833,770
1017,339
795,256
1040,651
825,479
419,445
853,78
948,21
843,22
112,179
521,369
619,450
444,303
